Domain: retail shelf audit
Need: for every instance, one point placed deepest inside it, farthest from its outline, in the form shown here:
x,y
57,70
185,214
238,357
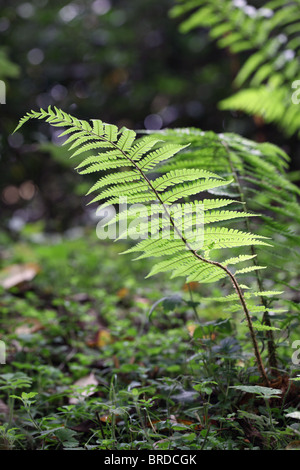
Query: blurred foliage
x,y
127,63
93,58
265,41
7,68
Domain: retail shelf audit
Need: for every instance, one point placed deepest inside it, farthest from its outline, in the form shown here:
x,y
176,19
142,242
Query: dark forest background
x,y
123,62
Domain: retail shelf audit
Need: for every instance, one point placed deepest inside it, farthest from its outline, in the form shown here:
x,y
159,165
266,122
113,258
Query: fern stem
x,y
246,311
214,263
272,357
219,265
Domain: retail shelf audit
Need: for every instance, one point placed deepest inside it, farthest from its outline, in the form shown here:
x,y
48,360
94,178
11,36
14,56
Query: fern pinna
x,y
128,166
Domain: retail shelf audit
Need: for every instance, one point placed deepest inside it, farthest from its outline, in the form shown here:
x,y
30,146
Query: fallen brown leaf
x,y
29,326
123,292
294,445
18,274
84,387
193,286
103,338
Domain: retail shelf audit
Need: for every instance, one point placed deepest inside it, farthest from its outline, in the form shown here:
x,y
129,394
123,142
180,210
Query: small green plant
x,y
10,382
10,437
128,168
26,399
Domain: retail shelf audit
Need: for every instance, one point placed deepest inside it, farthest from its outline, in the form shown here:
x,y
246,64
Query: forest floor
x,y
97,357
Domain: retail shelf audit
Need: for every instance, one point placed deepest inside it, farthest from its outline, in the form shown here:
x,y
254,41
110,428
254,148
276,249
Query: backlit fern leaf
x,y
120,150
187,250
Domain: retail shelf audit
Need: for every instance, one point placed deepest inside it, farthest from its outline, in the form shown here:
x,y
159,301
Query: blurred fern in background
x,y
266,41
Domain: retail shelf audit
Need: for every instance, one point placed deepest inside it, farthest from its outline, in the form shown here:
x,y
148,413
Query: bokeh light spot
x,y
35,56
25,10
153,122
100,7
15,140
10,195
27,190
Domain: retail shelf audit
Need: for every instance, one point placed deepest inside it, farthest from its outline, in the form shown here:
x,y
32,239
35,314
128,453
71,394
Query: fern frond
x,y
183,251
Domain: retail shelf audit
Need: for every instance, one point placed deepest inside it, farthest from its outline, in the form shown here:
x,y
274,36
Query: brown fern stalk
x,y
272,357
217,264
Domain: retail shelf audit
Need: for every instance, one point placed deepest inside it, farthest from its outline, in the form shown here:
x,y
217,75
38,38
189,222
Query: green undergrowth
x,y
109,360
